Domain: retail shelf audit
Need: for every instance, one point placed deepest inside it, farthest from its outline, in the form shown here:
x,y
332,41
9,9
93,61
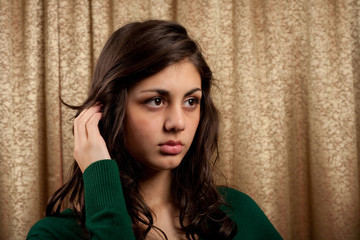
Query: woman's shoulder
x,y
235,197
251,220
61,226
241,205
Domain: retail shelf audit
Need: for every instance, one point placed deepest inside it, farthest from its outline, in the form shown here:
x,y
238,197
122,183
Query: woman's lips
x,y
171,148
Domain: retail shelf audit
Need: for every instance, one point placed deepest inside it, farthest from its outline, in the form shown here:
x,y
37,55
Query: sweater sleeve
x,y
106,213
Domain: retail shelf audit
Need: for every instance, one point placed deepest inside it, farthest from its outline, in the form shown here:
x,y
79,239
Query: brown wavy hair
x,y
134,52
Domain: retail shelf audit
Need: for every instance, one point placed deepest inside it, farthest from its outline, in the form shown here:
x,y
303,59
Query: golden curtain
x,y
288,73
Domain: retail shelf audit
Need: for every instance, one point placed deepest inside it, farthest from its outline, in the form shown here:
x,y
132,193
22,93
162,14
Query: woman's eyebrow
x,y
159,91
192,91
167,93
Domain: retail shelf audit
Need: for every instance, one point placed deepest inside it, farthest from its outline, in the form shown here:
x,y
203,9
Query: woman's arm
x,y
106,214
105,208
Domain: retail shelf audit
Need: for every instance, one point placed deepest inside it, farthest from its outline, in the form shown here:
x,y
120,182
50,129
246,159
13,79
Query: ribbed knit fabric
x,y
103,187
107,217
106,214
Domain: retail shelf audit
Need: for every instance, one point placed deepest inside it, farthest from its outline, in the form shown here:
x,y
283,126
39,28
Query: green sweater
x,y
107,217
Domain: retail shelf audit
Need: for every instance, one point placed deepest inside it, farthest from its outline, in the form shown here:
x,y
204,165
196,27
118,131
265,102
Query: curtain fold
x,y
288,77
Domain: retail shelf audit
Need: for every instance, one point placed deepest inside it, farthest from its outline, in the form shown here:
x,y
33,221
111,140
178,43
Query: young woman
x,y
145,147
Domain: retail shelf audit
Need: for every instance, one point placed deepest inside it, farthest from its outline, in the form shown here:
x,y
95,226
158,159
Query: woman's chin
x,y
165,163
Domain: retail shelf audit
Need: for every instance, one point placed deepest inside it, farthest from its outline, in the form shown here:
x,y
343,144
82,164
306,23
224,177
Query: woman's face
x,y
162,115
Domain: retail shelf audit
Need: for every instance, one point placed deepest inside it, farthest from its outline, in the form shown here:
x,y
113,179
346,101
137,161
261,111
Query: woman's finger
x,y
95,140
80,122
92,126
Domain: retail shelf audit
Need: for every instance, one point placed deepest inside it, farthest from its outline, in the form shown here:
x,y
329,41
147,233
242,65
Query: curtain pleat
x,y
288,91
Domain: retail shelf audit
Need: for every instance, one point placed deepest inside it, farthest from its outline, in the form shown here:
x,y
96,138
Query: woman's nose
x,y
174,119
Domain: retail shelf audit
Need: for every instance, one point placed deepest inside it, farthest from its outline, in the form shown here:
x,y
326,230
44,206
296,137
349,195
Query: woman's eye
x,y
155,102
191,102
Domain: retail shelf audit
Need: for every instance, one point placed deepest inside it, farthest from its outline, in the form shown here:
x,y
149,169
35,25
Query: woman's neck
x,y
155,188
156,191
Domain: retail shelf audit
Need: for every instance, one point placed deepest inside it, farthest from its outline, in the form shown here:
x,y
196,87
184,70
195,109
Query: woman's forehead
x,y
178,76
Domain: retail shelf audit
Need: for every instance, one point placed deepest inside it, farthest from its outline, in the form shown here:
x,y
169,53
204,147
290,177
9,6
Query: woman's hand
x,y
89,144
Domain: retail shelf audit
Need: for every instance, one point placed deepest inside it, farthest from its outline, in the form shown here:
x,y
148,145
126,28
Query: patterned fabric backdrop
x,y
288,76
